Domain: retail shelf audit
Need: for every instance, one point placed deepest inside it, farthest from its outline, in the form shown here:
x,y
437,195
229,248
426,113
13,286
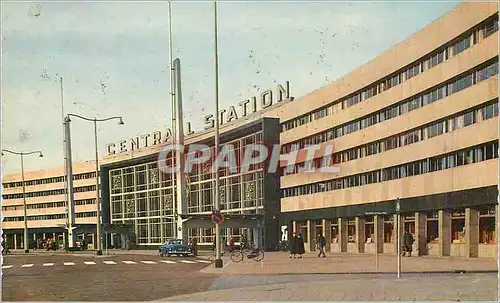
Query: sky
x,y
114,60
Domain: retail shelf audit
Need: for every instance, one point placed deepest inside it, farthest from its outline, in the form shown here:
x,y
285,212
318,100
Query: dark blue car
x,y
175,247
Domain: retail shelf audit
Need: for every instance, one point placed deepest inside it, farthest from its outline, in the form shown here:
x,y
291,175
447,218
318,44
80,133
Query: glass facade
x,y
144,196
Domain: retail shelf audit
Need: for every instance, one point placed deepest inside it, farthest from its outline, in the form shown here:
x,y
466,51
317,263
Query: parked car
x,y
174,247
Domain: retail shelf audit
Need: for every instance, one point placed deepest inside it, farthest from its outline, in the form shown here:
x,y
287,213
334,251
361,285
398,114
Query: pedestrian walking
x,y
231,244
293,246
321,245
194,242
407,243
300,246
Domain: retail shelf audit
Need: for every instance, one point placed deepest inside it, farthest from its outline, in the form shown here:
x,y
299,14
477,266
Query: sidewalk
x,y
479,287
279,263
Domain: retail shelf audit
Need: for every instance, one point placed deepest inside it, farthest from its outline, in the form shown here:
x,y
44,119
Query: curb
x,y
456,271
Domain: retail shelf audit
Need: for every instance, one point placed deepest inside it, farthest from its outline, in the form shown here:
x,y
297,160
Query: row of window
x,y
53,192
445,52
89,214
463,157
439,92
49,180
47,205
437,128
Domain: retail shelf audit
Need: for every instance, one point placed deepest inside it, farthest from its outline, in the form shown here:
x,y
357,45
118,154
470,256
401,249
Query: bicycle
x,y
283,246
255,254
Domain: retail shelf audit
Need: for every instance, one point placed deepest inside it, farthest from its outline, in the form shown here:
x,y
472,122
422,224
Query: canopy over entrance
x,y
230,221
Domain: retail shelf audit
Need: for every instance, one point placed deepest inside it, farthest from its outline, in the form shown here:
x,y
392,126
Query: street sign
x,y
217,217
105,227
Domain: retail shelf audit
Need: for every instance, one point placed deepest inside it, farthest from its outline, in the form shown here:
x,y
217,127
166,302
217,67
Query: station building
x,y
419,123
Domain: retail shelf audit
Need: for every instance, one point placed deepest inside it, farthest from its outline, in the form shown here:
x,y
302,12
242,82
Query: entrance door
x,y
90,241
60,241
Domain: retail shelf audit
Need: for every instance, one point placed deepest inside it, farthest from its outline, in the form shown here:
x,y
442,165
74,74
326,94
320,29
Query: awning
x,y
230,221
117,228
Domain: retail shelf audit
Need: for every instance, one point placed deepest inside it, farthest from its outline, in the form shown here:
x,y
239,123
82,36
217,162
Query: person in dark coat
x,y
231,244
407,243
300,246
321,245
194,243
293,245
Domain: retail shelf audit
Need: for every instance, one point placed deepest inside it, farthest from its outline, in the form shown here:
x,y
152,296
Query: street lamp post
x,y
218,259
98,200
22,154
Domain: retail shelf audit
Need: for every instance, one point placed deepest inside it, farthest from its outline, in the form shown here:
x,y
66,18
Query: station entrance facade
x,y
142,196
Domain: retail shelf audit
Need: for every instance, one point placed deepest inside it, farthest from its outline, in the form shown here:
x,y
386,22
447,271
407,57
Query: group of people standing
x,y
297,246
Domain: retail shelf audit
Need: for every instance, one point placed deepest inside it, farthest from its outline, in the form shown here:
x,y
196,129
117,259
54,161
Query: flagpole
x,y
218,259
174,112
65,174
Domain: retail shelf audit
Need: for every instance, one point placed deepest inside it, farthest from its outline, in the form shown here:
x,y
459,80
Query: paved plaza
x,y
422,287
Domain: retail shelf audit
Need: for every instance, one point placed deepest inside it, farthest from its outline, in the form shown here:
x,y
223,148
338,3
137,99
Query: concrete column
x,y
311,235
256,236
44,236
495,234
15,241
360,234
395,233
248,235
421,233
294,227
444,226
378,224
343,234
327,233
471,233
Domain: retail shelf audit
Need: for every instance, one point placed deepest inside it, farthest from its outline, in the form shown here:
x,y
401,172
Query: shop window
x,y
432,227
458,226
409,223
487,225
335,231
369,230
303,230
319,228
388,229
351,231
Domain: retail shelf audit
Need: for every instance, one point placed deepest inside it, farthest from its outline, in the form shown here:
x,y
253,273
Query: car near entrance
x,y
175,247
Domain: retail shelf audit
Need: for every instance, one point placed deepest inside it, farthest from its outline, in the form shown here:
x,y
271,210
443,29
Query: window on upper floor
x,y
461,45
321,113
412,71
490,28
460,84
436,59
487,72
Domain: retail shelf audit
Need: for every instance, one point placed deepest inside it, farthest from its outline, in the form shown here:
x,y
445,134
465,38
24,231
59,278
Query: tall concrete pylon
x,y
181,202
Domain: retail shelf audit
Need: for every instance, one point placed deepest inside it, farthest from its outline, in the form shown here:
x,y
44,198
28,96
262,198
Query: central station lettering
x,y
245,108
250,106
